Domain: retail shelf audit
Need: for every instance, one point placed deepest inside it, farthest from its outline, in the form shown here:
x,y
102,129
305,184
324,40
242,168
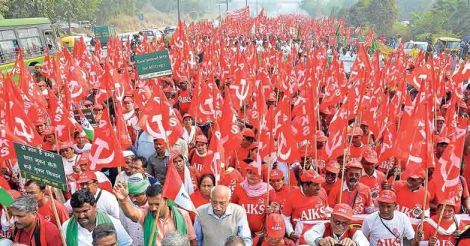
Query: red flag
x,y
287,145
218,157
173,189
106,149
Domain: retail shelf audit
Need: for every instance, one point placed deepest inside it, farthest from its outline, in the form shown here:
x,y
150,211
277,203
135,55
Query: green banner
x,y
154,64
42,166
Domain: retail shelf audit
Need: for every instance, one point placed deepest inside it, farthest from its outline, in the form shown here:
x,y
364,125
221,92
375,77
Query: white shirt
x,y
85,237
107,203
69,164
318,230
86,148
135,229
378,234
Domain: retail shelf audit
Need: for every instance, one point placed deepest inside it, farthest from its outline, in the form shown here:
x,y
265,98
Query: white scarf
x,y
441,230
131,119
189,136
188,182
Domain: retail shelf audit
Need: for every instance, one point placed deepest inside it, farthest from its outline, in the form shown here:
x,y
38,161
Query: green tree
x,y
382,14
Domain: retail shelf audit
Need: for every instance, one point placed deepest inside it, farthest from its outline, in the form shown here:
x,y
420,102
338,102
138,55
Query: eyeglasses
x,y
341,223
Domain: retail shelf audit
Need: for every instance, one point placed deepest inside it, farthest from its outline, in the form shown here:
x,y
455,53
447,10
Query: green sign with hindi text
x,y
41,166
154,64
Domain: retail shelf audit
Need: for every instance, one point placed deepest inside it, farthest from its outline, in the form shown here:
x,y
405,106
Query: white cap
x,y
127,153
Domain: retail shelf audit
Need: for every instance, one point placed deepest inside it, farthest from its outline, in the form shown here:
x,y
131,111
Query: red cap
x,y
48,131
201,139
65,145
321,136
159,140
253,145
447,202
414,172
272,98
440,118
187,115
248,133
354,164
364,123
87,103
443,140
462,105
87,177
174,153
276,174
275,227
128,99
357,131
343,210
84,159
445,106
370,156
333,167
39,121
98,106
311,176
387,196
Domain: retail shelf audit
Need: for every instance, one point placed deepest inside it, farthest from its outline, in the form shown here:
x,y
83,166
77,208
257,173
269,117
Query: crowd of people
x,y
273,142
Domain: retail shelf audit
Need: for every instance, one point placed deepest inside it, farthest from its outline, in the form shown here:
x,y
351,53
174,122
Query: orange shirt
x,y
255,207
329,187
201,163
231,179
197,200
374,182
445,225
359,199
408,200
304,208
184,100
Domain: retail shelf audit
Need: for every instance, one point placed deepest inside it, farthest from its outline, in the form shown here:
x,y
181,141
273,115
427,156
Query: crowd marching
x,y
270,131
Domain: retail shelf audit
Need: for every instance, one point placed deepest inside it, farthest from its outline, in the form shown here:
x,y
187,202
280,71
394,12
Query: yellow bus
x,y
31,36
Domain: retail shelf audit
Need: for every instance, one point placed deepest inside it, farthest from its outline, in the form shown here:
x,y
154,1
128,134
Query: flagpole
x,y
56,215
440,218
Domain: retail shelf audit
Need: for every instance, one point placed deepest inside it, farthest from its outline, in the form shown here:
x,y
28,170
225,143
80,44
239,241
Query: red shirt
x,y
374,182
356,152
197,200
285,241
184,100
255,206
232,179
443,240
408,200
52,235
201,162
46,211
284,193
359,198
303,208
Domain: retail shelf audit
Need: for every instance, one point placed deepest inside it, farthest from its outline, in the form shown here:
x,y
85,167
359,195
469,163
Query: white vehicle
x,y
420,45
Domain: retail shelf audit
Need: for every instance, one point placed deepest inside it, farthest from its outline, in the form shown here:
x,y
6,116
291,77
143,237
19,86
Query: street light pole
x,y
179,10
226,1
246,3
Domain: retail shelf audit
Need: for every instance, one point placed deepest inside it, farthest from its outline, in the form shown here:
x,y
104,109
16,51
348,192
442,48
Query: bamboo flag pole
x,y
56,216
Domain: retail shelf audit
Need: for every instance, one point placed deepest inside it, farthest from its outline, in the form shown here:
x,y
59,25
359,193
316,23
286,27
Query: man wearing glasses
x,y
337,231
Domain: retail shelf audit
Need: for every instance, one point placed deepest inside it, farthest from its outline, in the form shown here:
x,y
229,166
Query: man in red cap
x,y
82,145
105,200
98,112
388,226
275,229
448,228
370,176
68,157
277,181
440,120
307,203
241,153
441,145
368,137
337,231
354,193
332,170
355,139
131,117
410,193
201,157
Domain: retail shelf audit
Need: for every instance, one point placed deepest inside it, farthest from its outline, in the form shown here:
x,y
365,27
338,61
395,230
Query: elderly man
x,y
168,217
389,226
79,228
220,219
104,235
31,229
337,231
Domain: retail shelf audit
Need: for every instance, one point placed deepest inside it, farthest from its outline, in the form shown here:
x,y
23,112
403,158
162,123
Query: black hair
x,y
41,186
234,240
206,175
154,190
103,230
141,159
80,197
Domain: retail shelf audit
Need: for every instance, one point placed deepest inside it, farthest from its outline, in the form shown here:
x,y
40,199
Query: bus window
x,y
30,42
8,50
50,40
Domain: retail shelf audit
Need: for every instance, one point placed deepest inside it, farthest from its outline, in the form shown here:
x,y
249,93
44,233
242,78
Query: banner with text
x,y
41,166
154,64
